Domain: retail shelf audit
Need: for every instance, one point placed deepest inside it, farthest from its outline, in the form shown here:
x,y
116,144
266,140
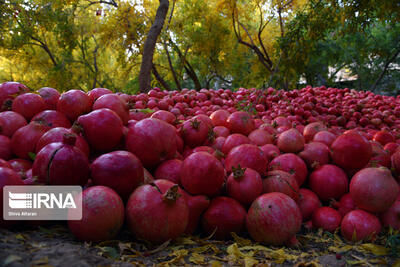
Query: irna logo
x,y
41,200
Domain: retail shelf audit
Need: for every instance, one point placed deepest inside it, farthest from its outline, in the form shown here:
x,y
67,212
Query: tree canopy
x,y
203,44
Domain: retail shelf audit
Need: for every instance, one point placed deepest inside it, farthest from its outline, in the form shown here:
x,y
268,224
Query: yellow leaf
x,y
256,248
216,264
250,262
240,240
197,258
185,241
396,263
340,249
377,250
234,251
280,256
19,237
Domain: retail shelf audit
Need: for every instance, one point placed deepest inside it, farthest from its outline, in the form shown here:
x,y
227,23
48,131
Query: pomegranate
x,y
391,148
9,91
157,213
102,129
221,131
5,148
308,202
383,137
7,177
61,163
312,129
24,140
260,137
197,205
156,132
329,182
346,204
270,151
164,115
10,122
224,215
5,164
28,105
273,219
391,217
360,225
246,156
326,218
98,203
194,132
280,181
115,103
52,118
202,174
351,151
290,141
97,92
292,164
50,97
374,189
315,154
240,122
234,140
325,137
220,117
20,165
169,170
74,103
244,185
380,157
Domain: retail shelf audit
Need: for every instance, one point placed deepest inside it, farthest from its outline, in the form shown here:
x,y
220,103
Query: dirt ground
x,y
53,245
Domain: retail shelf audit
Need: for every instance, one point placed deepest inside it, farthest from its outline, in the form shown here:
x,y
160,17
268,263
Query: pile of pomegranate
x,y
210,162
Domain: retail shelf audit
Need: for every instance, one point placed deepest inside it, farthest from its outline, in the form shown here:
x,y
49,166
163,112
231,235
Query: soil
x,y
53,245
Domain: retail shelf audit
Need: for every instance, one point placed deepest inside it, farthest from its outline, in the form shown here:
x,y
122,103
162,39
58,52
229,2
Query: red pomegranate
x,y
283,182
28,105
7,177
383,137
164,115
291,141
102,129
273,219
224,216
220,117
246,156
98,203
156,132
391,217
194,132
292,164
5,148
380,157
10,122
325,137
50,97
202,174
115,103
20,165
312,129
329,181
169,170
326,218
52,118
197,205
240,122
351,151
360,225
374,189
61,164
346,204
234,140
157,213
97,92
315,154
221,131
260,137
308,202
244,185
270,151
9,91
74,103
24,140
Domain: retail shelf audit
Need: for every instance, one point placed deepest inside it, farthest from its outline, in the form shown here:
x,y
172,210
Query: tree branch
x,y
382,74
159,78
111,2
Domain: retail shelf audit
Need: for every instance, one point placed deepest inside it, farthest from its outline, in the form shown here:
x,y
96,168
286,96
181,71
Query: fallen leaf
x,y
250,262
197,258
377,250
109,252
241,241
216,264
41,261
308,264
396,263
340,249
234,251
11,258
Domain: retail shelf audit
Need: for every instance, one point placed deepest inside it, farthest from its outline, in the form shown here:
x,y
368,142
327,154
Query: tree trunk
x,y
149,45
160,79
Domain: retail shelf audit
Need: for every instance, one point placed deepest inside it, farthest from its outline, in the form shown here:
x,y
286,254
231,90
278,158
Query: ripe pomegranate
x,y
308,202
120,170
97,92
329,181
391,217
24,140
57,134
374,189
221,131
351,151
224,215
5,164
273,219
391,148
240,122
292,164
164,115
115,103
158,212
326,218
74,103
61,163
102,129
52,118
360,225
194,132
346,204
290,141
260,137
234,140
98,203
197,205
28,105
246,156
383,137
380,157
9,91
220,117
270,151
7,177
202,174
395,163
50,97
169,170
315,154
5,148
156,132
10,122
312,129
20,165
244,185
325,137
280,181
